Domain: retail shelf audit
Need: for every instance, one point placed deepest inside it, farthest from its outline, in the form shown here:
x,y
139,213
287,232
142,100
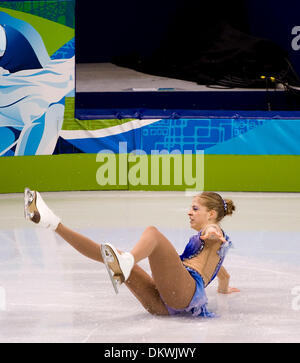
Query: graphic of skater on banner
x,y
37,74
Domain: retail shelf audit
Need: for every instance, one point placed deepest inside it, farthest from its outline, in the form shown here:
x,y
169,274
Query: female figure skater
x,y
178,282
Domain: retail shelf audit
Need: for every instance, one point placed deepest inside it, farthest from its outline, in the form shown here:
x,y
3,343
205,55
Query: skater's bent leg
x,y
143,288
173,281
82,244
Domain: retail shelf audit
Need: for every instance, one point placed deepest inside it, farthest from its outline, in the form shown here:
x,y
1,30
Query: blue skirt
x,y
197,306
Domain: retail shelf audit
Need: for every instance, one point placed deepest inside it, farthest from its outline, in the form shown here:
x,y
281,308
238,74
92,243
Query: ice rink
x,y
51,293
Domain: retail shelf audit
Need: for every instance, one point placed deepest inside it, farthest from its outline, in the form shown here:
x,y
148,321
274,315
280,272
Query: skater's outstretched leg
x,y
81,243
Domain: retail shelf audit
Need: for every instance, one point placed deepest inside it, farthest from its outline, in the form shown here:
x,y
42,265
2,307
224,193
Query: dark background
x,y
107,30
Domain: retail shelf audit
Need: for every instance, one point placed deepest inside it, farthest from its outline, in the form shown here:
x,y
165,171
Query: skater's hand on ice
x,y
229,290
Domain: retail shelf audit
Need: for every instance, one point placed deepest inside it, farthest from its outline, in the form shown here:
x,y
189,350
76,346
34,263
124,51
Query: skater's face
x,y
199,215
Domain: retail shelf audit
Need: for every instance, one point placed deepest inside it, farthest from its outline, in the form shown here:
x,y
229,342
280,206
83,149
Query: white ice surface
x,y
51,293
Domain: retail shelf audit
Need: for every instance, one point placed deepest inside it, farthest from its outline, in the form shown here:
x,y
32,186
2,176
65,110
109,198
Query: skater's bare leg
x,y
82,244
139,282
173,281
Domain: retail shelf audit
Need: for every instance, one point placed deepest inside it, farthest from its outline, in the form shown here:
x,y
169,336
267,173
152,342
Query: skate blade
x,y
107,259
30,209
28,199
113,263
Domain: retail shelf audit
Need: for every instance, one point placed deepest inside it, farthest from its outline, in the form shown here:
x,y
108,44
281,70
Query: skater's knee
x,y
151,230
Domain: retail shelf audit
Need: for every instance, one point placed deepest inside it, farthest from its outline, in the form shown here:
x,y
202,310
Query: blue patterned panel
x,y
193,134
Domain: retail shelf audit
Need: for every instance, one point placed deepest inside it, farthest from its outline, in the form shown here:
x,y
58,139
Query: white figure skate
x,y
118,265
36,210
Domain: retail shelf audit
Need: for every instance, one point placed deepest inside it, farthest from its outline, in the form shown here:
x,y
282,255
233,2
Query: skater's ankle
x,y
58,228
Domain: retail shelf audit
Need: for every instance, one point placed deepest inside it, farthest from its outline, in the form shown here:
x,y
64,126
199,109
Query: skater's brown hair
x,y
213,201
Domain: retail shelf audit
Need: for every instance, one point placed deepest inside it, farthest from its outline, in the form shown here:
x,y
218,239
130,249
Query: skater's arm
x,y
223,279
81,243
